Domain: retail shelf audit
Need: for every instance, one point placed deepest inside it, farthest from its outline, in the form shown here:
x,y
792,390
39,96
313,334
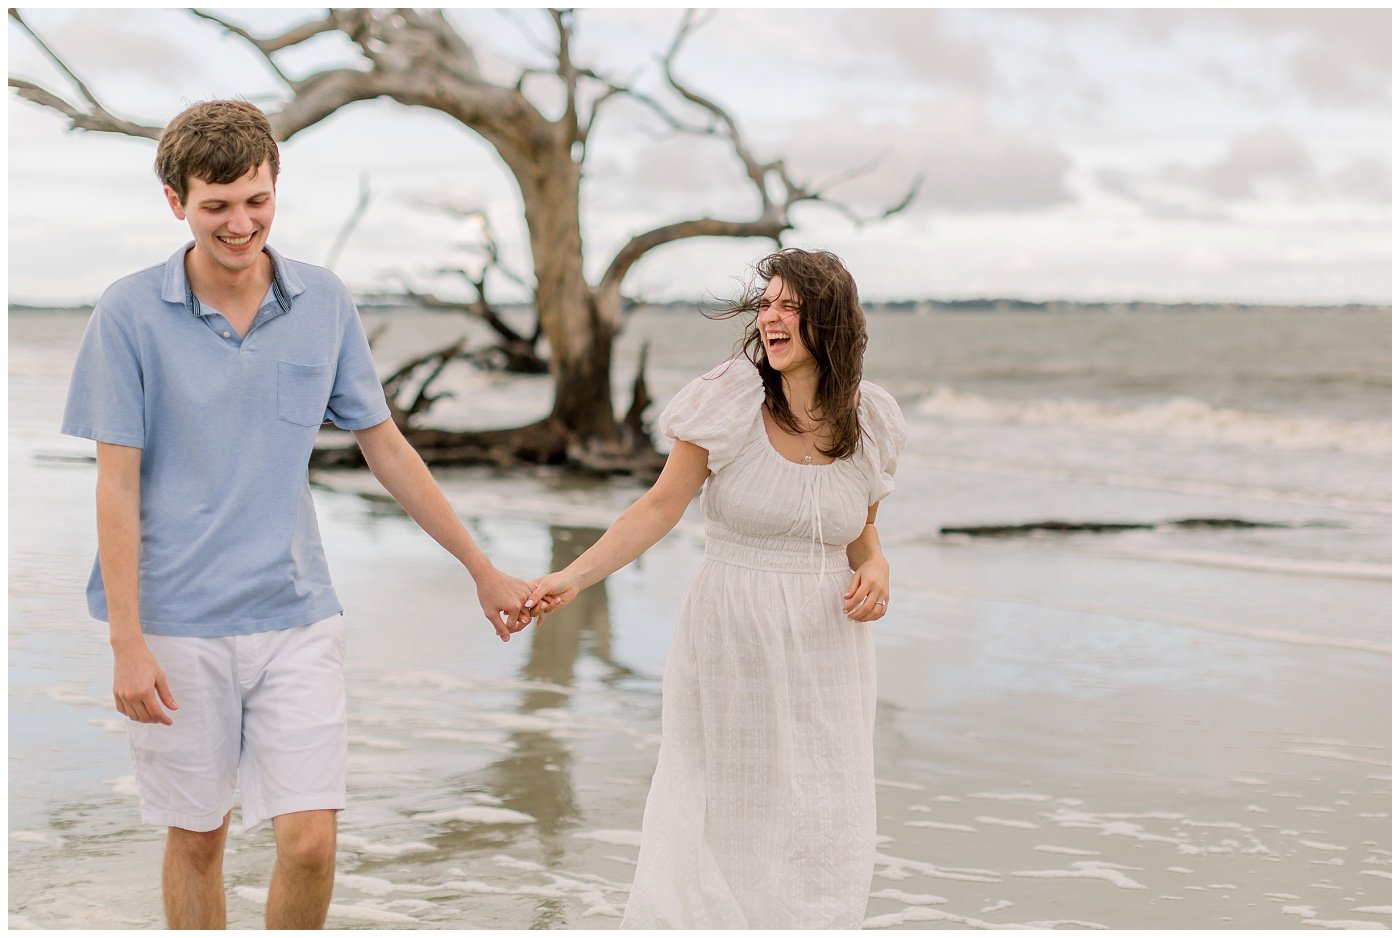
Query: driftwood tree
x,y
418,58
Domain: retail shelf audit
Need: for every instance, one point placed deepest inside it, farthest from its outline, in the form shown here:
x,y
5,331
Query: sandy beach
x,y
1164,728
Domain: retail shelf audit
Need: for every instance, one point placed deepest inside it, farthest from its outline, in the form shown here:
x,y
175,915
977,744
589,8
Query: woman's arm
x,y
640,526
869,596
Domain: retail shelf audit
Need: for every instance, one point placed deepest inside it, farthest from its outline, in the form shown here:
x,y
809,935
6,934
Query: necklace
x,y
809,442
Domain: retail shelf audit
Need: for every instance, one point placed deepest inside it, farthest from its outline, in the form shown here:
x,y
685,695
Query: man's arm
x,y
399,468
137,679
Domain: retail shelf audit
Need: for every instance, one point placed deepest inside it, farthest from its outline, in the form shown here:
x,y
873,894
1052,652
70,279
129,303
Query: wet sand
x,y
1037,766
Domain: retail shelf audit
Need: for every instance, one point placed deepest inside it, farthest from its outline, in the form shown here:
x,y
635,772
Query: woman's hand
x,y
869,596
552,592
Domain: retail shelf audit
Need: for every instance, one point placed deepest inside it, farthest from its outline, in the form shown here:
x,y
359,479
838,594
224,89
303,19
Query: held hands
x,y
138,685
553,592
869,596
502,600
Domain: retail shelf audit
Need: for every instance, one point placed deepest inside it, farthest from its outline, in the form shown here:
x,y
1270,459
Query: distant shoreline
x,y
379,302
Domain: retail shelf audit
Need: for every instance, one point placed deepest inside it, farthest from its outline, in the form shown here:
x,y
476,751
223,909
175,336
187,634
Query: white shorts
x,y
266,711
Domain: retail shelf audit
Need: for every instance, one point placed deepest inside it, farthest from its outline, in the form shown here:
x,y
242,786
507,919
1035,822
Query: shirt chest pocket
x,y
303,391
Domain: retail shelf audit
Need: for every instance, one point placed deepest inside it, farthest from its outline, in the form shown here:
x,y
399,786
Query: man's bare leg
x,y
192,878
305,872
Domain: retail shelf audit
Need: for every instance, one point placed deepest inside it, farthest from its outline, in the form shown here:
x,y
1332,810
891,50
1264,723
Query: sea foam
x,y
1178,417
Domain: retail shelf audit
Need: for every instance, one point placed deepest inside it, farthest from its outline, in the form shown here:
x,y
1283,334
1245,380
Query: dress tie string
x,y
819,540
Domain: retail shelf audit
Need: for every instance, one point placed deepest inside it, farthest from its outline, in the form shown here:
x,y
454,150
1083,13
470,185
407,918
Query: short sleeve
x,y
883,435
106,396
716,410
357,396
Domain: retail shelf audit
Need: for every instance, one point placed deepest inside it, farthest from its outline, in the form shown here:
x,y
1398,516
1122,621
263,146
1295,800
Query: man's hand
x,y
139,686
502,600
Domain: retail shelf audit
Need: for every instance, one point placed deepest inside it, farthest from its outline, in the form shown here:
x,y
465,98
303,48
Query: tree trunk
x,y
580,335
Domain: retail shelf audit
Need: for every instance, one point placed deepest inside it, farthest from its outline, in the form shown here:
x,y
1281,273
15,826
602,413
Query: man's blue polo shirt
x,y
229,542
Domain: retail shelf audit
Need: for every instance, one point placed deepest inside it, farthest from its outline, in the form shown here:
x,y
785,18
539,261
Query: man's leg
x,y
294,761
192,878
186,774
305,870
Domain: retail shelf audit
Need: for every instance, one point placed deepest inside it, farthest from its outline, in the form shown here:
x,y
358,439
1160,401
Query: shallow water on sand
x,y
1160,728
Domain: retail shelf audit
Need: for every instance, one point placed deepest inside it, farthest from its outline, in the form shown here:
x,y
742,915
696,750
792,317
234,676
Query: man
x,y
204,381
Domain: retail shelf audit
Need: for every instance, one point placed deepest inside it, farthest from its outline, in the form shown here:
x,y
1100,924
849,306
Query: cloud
x,y
1334,57
1329,57
1339,57
128,44
922,43
1266,165
968,162
1365,179
1141,191
1251,161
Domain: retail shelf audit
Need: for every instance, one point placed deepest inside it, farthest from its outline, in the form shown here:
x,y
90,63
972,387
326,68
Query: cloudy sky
x,y
1168,155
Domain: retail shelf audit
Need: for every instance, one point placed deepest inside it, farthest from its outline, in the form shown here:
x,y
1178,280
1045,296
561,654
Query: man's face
x,y
230,221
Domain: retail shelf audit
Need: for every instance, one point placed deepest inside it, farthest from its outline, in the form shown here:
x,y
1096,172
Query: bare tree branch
x,y
488,247
394,385
268,46
517,348
454,46
613,89
774,215
535,41
908,199
53,57
568,74
95,118
294,36
771,224
772,218
756,171
854,173
347,229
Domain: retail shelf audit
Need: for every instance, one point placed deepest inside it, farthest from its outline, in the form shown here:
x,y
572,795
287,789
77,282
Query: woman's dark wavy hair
x,y
832,325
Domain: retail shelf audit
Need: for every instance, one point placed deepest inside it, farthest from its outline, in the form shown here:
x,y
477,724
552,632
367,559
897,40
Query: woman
x,y
762,809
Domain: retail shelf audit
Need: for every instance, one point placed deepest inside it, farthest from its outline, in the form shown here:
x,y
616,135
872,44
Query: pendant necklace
x,y
807,457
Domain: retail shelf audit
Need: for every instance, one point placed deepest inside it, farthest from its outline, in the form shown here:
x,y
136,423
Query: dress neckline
x,y
768,445
768,441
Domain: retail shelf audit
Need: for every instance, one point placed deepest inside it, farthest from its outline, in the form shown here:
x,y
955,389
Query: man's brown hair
x,y
217,142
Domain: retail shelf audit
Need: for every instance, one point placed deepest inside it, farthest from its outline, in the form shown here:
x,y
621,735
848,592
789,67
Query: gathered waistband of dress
x,y
786,555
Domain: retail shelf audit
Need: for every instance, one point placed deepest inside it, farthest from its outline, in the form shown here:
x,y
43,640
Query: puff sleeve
x,y
716,410
884,433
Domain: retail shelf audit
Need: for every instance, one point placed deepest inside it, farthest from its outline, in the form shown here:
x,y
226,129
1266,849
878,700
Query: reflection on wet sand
x,y
536,777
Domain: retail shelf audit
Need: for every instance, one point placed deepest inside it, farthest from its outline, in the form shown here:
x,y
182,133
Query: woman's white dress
x,y
761,813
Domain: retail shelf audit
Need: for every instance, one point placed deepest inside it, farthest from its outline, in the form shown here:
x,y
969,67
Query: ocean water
x,y
1173,725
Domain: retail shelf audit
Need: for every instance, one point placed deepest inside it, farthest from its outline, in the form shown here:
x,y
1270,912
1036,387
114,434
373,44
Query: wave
x,y
1179,417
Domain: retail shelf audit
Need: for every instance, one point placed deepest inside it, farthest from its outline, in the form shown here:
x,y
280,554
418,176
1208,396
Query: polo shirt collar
x,y
286,285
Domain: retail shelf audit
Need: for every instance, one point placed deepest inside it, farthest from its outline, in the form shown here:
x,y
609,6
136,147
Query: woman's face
x,y
778,313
